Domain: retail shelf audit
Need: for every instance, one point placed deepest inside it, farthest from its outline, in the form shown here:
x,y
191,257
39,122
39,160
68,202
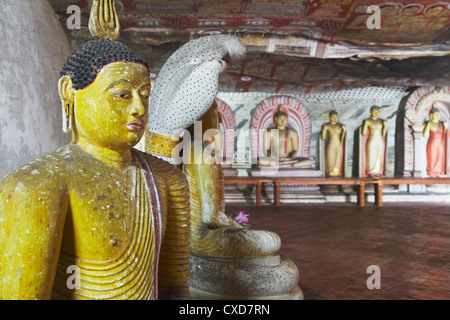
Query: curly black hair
x,y
83,65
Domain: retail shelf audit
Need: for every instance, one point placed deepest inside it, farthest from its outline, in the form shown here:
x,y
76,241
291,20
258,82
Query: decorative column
x,y
419,157
418,150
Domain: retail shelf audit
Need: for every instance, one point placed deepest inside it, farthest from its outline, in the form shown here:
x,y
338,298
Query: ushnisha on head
x,y
104,90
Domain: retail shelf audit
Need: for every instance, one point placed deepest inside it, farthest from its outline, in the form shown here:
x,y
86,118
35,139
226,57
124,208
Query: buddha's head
x,y
435,114
104,89
333,116
374,112
280,118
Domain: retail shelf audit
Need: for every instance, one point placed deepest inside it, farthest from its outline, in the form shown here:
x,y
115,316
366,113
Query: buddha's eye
x,y
122,94
145,94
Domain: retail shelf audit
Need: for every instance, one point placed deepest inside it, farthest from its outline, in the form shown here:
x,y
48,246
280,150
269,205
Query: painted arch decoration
x,y
417,110
227,128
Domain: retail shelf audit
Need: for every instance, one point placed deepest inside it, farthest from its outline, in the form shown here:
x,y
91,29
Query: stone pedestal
x,y
259,278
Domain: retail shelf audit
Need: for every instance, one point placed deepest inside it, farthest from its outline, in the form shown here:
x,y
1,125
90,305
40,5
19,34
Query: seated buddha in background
x,y
280,144
118,215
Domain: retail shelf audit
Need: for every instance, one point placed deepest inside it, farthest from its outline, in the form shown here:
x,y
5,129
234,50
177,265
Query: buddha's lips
x,y
134,126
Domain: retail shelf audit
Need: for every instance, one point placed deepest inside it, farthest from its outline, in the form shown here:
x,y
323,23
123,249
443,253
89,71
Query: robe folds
x,y
73,227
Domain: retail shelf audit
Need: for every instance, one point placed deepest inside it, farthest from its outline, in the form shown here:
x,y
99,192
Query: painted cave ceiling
x,y
298,47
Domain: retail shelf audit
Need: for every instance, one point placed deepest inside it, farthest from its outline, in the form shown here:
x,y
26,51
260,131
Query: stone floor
x,y
333,244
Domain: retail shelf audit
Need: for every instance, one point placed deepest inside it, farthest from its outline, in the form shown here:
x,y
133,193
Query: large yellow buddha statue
x,y
280,143
115,215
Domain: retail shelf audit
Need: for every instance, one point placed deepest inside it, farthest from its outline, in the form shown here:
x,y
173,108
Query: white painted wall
x,y
33,48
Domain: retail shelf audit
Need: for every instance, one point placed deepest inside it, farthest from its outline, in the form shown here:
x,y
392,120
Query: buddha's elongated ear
x,y
66,95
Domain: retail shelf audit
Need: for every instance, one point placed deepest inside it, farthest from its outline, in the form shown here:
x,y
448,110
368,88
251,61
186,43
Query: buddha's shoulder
x,y
46,169
161,167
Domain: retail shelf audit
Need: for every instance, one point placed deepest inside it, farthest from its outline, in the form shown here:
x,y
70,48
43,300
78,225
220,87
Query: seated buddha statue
x,y
117,215
280,144
213,231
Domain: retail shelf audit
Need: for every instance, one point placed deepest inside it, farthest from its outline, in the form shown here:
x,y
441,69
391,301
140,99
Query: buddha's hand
x,y
292,154
187,84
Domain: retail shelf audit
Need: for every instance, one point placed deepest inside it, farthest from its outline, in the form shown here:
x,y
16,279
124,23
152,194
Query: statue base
x,y
256,278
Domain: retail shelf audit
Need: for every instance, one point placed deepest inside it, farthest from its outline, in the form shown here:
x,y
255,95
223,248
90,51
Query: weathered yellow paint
x,y
86,204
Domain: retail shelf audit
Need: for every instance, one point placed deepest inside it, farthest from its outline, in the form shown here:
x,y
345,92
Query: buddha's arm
x,y
266,142
344,131
384,128
323,133
32,215
174,256
364,127
426,129
208,189
294,144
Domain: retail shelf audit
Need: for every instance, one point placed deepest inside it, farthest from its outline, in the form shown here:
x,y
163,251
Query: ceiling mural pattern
x,y
294,47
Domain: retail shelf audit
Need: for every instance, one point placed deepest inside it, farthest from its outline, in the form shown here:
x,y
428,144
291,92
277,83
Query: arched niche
x,y
228,130
298,119
417,108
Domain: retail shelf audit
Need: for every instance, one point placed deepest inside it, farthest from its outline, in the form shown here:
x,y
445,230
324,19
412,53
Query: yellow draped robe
x,y
125,230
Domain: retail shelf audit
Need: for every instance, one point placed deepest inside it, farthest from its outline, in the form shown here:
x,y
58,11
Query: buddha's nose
x,y
137,108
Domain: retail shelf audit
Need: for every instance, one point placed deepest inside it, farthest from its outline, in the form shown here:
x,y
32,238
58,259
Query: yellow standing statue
x,y
97,219
374,130
334,134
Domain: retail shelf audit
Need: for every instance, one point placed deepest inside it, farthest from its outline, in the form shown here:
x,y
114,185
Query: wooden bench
x,y
359,182
258,181
402,180
278,181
